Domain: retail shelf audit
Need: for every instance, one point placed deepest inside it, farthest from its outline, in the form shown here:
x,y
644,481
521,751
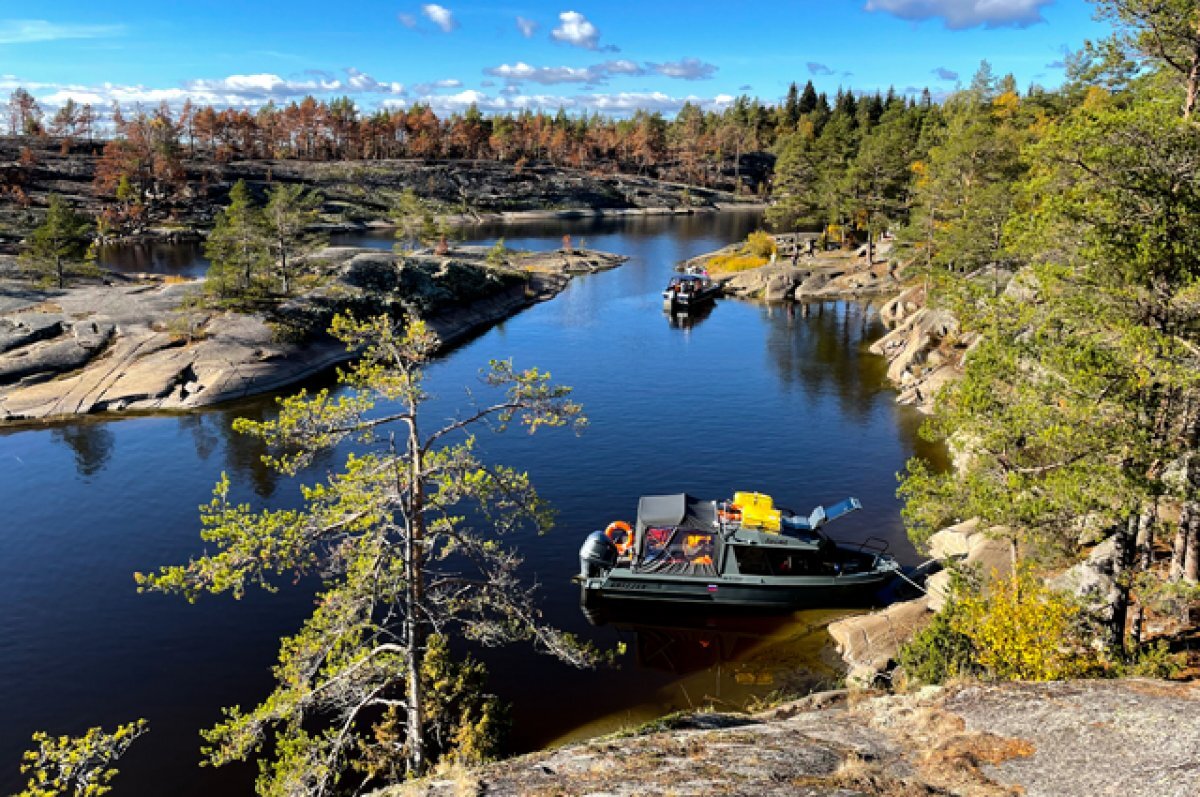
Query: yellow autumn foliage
x,y
1023,631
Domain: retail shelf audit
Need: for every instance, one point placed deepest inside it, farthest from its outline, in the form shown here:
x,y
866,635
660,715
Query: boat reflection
x,y
686,318
730,658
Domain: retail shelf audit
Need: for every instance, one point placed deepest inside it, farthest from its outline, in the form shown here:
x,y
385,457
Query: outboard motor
x,y
597,555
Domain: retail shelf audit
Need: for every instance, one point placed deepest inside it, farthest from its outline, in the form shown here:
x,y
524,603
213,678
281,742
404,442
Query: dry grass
x,y
869,777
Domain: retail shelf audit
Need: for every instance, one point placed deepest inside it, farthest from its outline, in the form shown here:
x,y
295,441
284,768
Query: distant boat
x,y
740,553
688,291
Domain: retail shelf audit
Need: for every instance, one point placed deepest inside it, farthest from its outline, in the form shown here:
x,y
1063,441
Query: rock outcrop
x,y
869,644
924,349
1066,739
826,276
120,347
358,193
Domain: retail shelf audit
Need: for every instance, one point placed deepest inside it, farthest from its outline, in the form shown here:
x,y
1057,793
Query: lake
x,y
783,399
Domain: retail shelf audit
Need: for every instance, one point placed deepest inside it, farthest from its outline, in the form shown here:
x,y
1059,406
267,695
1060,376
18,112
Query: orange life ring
x,y
626,543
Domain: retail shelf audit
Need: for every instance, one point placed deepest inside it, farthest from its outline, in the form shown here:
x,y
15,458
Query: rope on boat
x,y
910,581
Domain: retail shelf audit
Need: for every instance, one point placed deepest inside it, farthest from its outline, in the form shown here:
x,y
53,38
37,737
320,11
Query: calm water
x,y
781,399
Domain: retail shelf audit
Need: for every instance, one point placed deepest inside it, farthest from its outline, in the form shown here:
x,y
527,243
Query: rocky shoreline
x,y
133,345
1062,739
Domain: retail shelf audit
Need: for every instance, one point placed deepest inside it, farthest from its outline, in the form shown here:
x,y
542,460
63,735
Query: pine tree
x,y
365,681
289,213
238,248
59,242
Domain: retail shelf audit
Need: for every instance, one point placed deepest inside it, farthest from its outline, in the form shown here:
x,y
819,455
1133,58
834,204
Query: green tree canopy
x,y
238,248
60,241
407,538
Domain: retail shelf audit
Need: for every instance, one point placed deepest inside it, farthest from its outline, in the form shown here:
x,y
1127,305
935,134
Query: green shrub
x,y
1153,661
939,652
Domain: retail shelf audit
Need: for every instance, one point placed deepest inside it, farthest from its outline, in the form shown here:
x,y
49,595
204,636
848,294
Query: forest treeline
x,y
148,148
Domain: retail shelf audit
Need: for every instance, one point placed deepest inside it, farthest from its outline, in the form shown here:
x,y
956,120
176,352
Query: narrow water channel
x,y
782,399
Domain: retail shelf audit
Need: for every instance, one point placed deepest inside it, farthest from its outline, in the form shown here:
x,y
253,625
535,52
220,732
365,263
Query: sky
x,y
612,57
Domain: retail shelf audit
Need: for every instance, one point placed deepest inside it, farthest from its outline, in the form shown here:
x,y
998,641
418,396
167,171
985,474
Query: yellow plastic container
x,y
758,511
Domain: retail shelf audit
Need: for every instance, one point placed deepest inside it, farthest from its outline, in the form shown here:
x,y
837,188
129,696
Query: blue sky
x,y
612,57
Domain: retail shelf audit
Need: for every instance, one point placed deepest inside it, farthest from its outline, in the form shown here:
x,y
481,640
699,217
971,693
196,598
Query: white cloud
x,y
598,74
621,67
633,100
25,31
521,72
440,16
574,29
237,91
422,89
961,14
687,69
527,27
256,90
628,102
242,89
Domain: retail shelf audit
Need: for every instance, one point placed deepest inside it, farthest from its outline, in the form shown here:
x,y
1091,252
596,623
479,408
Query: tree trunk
x,y
58,269
413,623
1179,547
1145,539
1124,558
1193,78
283,267
1191,561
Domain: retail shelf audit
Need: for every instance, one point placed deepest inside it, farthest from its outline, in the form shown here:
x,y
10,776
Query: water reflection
x,y
689,319
186,259
731,660
91,443
244,453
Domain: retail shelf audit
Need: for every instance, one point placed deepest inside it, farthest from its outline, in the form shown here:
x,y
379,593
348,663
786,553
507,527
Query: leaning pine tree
x,y
367,683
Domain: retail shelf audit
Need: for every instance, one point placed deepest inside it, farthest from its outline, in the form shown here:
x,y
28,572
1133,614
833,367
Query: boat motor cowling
x,y
597,555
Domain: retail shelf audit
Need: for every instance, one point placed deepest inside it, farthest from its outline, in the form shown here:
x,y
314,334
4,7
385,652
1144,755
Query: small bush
x,y
759,244
1024,631
1016,630
740,262
1153,661
939,652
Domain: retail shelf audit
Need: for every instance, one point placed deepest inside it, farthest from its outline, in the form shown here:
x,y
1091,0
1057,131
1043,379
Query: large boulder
x,y
953,541
868,643
766,282
986,552
1094,580
780,286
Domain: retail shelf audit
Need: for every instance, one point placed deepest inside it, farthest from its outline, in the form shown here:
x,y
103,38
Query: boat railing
x,y
875,545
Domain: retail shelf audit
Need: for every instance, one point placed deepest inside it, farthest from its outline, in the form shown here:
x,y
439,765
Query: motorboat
x,y
688,291
739,553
